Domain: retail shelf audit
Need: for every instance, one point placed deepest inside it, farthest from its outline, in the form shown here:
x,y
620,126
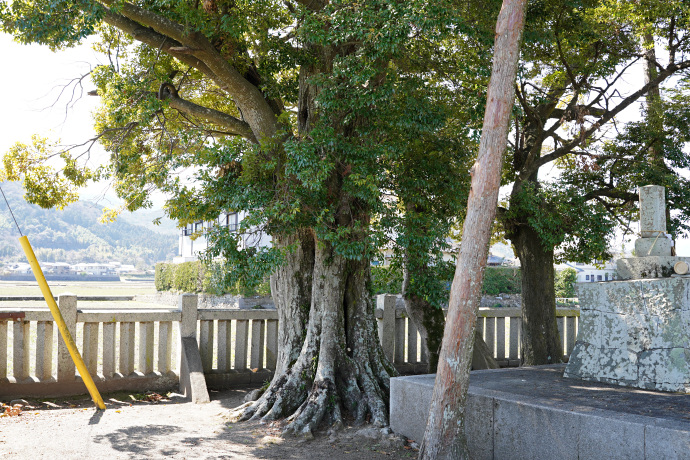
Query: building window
x,y
586,277
198,226
606,276
231,222
598,277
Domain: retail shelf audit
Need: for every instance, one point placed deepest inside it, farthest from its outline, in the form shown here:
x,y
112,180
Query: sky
x,y
31,84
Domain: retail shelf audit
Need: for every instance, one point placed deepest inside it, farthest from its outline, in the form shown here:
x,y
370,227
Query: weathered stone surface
x,y
192,382
479,426
614,330
583,362
634,333
652,210
635,268
639,334
661,246
590,327
410,406
591,296
668,330
599,438
617,365
670,366
667,442
538,415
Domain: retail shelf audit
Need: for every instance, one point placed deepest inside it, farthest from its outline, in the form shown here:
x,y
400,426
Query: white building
x,y
588,273
192,239
96,269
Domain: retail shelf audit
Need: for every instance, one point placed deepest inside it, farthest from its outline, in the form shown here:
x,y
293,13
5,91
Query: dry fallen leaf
x,y
13,410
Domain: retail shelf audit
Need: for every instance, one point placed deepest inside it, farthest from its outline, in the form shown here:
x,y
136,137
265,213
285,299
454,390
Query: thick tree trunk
x,y
445,432
541,342
291,291
340,368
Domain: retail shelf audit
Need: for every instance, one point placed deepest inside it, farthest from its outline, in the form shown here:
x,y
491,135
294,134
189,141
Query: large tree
x,y
281,109
574,164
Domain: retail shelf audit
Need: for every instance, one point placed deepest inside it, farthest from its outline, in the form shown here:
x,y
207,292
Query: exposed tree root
x,y
341,372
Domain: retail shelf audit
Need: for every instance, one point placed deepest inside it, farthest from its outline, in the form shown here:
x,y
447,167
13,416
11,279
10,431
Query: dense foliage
x,y
497,280
565,283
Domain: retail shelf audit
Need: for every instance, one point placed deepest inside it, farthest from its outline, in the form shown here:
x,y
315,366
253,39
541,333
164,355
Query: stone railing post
x,y
386,302
67,303
188,306
192,381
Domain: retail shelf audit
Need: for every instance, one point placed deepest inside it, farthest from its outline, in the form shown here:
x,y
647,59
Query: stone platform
x,y
535,413
634,333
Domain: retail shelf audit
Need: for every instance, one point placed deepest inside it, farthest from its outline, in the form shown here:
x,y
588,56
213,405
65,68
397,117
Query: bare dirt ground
x,y
132,428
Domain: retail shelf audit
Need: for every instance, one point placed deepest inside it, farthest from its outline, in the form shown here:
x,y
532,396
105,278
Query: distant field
x,y
25,288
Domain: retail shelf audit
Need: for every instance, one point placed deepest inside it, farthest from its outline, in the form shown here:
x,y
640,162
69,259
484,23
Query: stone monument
x,y
636,331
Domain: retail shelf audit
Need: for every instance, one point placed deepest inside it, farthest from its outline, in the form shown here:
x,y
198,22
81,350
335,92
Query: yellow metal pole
x,y
62,327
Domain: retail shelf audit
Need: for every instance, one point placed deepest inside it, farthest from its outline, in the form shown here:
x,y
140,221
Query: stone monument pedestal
x,y
636,332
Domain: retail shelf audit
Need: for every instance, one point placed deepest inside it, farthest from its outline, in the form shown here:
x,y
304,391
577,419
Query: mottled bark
x,y
541,342
445,434
340,368
291,290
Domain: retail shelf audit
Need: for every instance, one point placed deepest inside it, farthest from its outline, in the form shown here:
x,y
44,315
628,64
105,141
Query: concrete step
x,y
535,413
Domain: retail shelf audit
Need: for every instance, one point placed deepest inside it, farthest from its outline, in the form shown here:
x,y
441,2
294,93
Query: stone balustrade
x,y
139,349
500,329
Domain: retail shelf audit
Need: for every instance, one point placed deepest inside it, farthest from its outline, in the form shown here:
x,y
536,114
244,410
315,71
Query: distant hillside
x,y
74,234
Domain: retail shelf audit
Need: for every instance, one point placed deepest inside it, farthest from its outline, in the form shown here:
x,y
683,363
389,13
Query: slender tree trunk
x,y
654,116
541,342
653,98
445,432
428,320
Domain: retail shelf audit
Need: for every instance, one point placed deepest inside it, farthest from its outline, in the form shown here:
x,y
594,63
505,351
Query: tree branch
x,y
609,193
567,148
232,124
247,96
156,40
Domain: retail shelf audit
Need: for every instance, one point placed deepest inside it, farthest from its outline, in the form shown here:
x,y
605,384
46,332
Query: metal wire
x,y
10,208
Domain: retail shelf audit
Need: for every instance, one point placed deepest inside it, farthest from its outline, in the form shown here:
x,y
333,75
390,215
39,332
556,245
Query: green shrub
x,y
497,280
565,283
195,277
186,277
386,280
164,276
502,280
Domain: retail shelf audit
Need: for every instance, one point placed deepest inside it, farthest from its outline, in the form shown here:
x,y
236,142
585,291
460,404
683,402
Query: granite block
x,y
634,268
646,247
618,365
512,438
600,438
666,443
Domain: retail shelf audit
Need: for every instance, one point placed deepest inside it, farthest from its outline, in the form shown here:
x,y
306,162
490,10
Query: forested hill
x,y
74,234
